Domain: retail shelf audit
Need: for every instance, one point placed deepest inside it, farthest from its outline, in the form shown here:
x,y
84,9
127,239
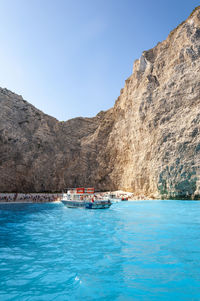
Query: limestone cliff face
x,y
38,153
148,143
155,141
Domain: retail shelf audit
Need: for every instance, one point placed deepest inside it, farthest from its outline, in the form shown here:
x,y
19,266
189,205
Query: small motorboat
x,y
113,198
84,198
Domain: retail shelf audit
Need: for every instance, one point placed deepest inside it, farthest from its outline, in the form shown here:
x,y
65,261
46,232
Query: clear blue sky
x,y
70,58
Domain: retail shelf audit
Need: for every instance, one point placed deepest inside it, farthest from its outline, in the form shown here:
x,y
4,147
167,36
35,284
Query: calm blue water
x,y
145,250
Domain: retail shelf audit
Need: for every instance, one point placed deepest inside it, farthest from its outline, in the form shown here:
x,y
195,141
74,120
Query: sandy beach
x,y
29,198
119,195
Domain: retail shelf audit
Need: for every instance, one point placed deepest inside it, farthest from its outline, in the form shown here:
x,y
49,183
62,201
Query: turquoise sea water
x,y
145,250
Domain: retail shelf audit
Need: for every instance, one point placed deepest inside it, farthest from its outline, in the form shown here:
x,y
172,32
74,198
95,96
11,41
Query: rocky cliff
x,y
148,143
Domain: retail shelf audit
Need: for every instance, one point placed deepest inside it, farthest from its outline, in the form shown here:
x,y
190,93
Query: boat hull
x,y
116,200
87,205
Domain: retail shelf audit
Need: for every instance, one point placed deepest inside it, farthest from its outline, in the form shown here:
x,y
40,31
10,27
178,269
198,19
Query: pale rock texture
x,y
148,143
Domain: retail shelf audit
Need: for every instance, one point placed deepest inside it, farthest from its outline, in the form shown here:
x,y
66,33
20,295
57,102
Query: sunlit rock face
x,y
148,143
155,141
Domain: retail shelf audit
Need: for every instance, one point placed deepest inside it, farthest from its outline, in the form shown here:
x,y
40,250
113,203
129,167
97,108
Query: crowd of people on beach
x,y
30,197
124,196
50,197
7,197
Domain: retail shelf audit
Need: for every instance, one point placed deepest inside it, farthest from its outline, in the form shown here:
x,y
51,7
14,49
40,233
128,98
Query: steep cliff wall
x,y
155,141
38,153
148,143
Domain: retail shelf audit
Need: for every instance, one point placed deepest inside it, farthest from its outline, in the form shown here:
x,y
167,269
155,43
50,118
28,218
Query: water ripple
x,y
134,251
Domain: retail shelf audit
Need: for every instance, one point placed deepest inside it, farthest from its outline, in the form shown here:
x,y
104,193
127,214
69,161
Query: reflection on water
x,y
145,250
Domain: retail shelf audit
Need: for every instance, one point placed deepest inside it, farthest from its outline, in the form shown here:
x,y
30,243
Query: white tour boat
x,y
84,198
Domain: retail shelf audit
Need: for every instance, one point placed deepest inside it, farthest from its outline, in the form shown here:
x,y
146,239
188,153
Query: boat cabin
x,y
79,194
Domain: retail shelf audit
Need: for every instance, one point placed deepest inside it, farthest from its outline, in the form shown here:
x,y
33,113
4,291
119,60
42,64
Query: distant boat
x,y
115,199
84,198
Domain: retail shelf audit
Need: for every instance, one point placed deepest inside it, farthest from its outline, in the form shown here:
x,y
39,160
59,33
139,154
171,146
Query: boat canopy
x,y
80,190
